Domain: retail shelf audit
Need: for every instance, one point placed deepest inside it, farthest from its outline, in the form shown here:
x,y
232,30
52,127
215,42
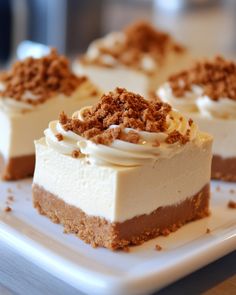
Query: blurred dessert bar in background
x,y
32,92
138,58
206,92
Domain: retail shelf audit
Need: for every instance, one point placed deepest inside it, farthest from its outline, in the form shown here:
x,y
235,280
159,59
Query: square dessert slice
x,y
206,92
123,171
32,92
138,58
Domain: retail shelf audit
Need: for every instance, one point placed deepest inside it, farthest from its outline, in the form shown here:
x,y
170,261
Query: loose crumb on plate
x,y
208,231
231,191
7,209
232,204
218,189
18,185
158,247
11,198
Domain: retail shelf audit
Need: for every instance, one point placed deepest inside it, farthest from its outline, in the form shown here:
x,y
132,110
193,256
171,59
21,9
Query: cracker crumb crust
x,y
232,204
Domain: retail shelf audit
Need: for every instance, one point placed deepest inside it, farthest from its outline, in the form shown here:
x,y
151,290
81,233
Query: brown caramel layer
x,y
98,231
223,169
17,167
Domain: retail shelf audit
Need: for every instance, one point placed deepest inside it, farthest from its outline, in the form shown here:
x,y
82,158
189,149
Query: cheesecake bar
x,y
138,58
122,171
32,92
206,92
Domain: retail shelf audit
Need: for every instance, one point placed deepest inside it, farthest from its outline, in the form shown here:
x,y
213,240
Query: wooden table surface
x,y
20,277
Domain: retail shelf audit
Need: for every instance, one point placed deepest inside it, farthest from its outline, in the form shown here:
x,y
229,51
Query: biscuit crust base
x,y
17,167
98,231
223,168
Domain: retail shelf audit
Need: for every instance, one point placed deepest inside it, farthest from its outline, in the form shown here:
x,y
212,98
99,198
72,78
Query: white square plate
x,y
100,271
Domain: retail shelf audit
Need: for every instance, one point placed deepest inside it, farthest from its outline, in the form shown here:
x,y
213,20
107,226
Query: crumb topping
x,y
232,204
216,77
36,80
59,136
190,122
124,110
140,39
75,154
176,136
145,38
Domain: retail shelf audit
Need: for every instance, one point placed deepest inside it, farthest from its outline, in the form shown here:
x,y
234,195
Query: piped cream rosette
x,y
195,101
150,147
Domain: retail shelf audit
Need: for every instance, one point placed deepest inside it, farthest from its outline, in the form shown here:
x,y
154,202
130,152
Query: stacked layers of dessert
x,y
32,92
207,93
138,58
122,171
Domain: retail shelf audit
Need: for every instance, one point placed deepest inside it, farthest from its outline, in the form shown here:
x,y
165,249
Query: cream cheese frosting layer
x,y
151,145
223,131
109,78
121,192
224,108
23,123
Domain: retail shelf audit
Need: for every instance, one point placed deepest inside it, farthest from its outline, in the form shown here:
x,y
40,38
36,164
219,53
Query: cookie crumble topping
x,y
35,80
124,110
75,154
176,136
141,39
59,136
217,77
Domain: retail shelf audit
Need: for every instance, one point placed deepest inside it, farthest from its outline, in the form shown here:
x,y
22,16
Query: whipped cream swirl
x,y
224,108
184,104
194,101
150,147
9,104
110,41
65,146
113,41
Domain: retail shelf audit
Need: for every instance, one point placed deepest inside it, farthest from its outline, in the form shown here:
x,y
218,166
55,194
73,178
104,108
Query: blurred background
x,y
206,26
